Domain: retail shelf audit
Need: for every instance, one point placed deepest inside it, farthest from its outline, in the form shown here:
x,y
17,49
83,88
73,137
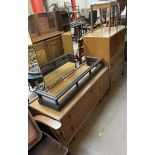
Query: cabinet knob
x,y
72,128
70,116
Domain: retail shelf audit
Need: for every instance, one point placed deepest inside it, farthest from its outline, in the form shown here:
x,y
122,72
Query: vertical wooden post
x,y
116,18
109,17
100,17
92,27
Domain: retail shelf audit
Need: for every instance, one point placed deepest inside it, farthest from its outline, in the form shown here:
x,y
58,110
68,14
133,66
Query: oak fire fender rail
x,y
55,103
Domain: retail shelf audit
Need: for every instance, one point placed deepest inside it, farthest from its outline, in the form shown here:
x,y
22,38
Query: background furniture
x,y
81,57
87,25
123,7
62,20
107,43
78,108
39,143
104,5
49,49
77,25
45,37
67,42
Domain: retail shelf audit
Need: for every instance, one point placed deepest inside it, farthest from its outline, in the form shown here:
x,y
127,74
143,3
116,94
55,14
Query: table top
x,y
104,32
45,36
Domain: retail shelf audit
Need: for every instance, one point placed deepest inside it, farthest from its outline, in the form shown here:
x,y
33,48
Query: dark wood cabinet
x,y
41,52
49,49
55,48
45,37
62,20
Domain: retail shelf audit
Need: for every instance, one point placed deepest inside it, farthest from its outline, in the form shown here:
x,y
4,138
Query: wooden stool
x,y
104,5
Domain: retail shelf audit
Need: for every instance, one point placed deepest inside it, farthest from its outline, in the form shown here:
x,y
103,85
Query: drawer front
x,y
116,72
103,84
117,42
72,121
117,58
116,50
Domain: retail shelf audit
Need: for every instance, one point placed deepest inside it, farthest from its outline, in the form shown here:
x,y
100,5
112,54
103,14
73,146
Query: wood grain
x,y
51,78
58,115
68,80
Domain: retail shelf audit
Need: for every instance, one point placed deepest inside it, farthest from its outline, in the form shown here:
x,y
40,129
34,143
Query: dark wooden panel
x,y
41,53
55,47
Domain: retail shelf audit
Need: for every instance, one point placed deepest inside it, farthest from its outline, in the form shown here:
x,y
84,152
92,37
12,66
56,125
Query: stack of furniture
x,y
62,20
81,99
45,37
107,42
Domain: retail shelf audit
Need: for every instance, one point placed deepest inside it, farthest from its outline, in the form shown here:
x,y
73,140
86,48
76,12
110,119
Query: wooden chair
x,y
102,6
40,143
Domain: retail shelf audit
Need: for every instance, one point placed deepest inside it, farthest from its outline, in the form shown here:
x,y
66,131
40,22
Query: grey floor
x,y
105,131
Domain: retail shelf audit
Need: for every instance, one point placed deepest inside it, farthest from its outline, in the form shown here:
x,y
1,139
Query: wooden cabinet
x,y
55,48
49,49
41,52
109,46
62,20
78,108
45,37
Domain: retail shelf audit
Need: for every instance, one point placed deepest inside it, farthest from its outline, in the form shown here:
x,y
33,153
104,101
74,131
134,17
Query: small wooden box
x,y
67,42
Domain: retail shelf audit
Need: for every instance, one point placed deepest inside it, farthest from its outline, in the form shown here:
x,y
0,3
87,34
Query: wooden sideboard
x,y
78,108
109,46
46,39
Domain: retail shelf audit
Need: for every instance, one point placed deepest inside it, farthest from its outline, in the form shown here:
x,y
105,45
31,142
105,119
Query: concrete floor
x,y
105,131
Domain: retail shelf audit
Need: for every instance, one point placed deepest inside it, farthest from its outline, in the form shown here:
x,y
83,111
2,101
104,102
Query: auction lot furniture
x,y
46,39
67,42
39,143
78,108
107,43
62,20
64,77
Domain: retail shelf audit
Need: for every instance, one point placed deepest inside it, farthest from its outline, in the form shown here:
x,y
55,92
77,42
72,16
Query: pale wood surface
x,y
67,42
104,5
58,115
103,44
68,80
48,122
51,78
104,32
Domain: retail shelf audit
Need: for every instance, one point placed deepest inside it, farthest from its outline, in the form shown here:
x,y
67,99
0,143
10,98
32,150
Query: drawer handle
x,y
62,133
70,116
72,128
92,90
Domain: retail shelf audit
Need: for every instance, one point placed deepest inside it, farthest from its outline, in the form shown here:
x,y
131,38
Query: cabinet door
x,y
40,49
55,48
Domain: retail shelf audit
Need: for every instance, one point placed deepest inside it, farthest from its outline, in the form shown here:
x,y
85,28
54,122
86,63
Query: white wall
x,y
82,3
90,2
